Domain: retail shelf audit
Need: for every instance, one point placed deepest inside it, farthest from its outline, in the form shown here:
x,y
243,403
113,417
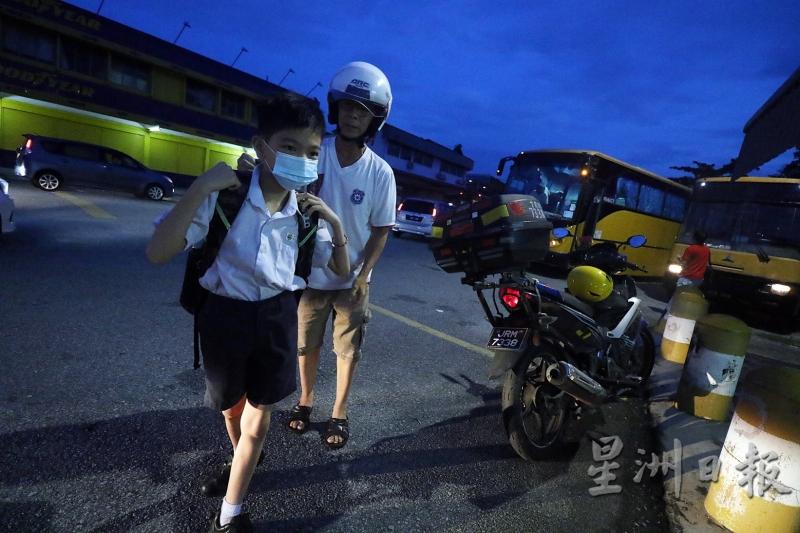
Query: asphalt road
x,y
102,425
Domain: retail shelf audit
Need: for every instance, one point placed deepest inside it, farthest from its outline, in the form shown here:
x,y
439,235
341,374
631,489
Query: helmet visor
x,y
376,110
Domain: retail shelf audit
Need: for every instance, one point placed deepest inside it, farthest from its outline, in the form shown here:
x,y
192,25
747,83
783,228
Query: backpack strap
x,y
306,240
307,233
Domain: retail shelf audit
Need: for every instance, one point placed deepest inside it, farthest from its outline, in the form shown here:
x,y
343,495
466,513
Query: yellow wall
x,y
157,150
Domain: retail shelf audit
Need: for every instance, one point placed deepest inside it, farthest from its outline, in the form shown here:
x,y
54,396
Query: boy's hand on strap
x,y
310,204
245,163
218,177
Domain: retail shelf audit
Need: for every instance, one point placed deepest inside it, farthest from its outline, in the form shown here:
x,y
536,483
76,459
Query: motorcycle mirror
x,y
637,241
560,233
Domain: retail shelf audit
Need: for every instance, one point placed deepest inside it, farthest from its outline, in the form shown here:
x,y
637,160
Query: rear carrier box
x,y
497,234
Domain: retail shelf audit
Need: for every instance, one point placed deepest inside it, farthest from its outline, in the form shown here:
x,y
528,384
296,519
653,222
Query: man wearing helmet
x,y
359,186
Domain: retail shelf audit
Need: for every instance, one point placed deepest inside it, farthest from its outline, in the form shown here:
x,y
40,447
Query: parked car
x,y
6,209
49,163
415,215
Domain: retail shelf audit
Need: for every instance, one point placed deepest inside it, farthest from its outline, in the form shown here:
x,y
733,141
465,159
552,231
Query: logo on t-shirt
x,y
357,197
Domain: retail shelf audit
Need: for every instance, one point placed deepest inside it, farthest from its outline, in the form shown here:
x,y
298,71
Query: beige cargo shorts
x,y
350,317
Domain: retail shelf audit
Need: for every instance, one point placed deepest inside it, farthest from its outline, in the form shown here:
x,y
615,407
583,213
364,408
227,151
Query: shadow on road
x,y
302,486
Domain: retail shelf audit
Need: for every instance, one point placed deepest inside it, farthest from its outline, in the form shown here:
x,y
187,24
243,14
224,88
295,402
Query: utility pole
x,y
185,25
314,87
100,7
242,51
290,71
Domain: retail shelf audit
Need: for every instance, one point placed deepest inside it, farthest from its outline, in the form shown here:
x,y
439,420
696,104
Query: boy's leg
x,y
312,314
233,419
254,425
349,326
226,341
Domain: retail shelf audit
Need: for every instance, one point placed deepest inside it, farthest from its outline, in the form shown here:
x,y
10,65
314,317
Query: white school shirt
x,y
363,195
258,256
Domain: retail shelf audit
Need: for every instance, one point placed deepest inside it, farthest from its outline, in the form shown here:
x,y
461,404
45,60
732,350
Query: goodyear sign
x,y
22,76
59,11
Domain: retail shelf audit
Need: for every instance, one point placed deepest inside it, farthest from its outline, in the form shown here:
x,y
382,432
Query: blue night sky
x,y
653,83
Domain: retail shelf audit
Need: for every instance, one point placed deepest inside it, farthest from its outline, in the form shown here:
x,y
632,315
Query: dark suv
x,y
49,163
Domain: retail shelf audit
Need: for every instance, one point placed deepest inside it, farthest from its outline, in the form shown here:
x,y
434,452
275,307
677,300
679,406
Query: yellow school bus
x,y
752,226
599,198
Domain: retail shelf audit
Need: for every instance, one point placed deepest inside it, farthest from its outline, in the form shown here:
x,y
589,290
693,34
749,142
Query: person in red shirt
x,y
695,260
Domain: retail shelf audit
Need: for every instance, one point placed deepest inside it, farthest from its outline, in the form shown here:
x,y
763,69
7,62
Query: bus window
x,y
674,207
651,200
553,180
715,219
769,228
627,193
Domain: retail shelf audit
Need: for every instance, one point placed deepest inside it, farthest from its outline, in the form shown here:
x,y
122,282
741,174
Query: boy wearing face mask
x,y
248,324
360,187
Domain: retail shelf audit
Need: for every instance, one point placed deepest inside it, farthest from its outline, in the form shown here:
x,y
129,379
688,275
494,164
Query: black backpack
x,y
200,259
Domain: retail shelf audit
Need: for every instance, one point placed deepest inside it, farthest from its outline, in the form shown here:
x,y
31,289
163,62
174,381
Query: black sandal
x,y
300,413
337,427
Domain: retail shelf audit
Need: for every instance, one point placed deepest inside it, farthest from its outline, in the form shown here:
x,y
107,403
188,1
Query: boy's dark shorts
x,y
249,348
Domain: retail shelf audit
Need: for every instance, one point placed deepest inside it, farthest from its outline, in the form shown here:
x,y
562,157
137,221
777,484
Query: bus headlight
x,y
780,289
675,268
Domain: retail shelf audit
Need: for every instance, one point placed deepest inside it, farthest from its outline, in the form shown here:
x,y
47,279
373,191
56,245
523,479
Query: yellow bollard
x,y
688,305
759,467
712,371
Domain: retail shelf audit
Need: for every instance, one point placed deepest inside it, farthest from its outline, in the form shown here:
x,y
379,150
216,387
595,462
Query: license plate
x,y
415,218
512,339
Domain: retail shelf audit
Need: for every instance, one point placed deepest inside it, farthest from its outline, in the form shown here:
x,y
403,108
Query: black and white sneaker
x,y
216,484
239,524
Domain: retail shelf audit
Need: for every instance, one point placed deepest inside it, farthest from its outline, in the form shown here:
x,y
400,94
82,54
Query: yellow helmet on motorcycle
x,y
590,284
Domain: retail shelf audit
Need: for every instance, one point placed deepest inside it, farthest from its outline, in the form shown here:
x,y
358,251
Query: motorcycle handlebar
x,y
632,266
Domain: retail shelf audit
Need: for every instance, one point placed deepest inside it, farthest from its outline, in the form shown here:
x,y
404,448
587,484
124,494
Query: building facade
x,y
422,167
66,72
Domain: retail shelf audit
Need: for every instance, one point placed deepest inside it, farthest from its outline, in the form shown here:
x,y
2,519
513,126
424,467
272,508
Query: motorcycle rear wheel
x,y
644,356
535,413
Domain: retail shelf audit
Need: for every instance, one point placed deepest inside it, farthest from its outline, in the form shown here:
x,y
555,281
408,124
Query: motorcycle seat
x,y
575,303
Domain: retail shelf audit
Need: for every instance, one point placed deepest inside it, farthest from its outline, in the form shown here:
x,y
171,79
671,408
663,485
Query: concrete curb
x,y
699,439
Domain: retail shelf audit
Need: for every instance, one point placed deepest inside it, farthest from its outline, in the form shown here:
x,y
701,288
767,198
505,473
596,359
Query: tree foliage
x,y
792,169
700,170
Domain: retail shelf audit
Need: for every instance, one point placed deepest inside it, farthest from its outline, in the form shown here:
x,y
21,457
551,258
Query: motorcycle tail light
x,y
510,297
517,207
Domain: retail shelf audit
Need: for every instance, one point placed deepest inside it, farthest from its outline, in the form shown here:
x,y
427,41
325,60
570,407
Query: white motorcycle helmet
x,y
363,83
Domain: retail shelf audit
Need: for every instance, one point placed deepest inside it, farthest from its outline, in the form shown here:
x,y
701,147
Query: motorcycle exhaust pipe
x,y
576,383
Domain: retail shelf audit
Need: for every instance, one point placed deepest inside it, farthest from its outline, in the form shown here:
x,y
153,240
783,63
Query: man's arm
x,y
372,252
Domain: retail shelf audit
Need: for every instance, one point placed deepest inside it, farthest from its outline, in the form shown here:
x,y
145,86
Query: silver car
x,y
50,162
6,209
416,215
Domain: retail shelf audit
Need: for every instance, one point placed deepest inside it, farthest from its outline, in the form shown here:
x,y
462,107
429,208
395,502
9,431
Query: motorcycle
x,y
560,354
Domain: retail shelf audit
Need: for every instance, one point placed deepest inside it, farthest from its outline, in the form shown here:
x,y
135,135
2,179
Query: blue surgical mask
x,y
292,172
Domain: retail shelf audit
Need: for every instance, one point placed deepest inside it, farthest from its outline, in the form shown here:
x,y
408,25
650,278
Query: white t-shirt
x,y
363,195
